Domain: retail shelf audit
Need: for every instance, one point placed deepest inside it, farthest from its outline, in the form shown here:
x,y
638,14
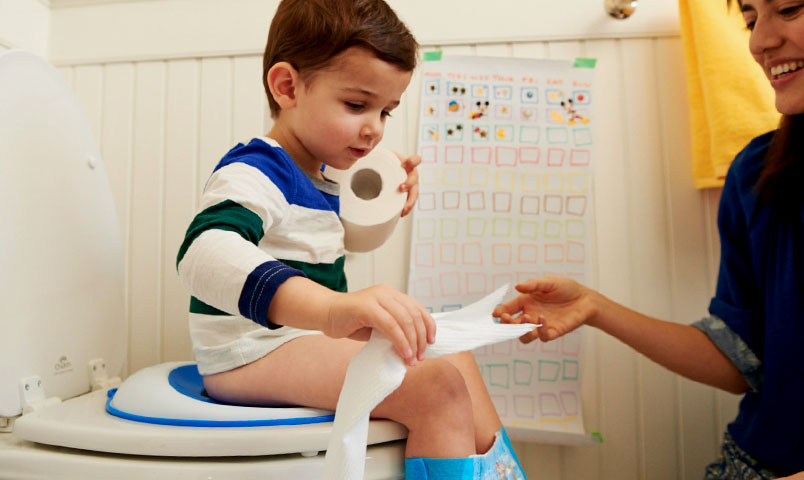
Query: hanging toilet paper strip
x,y
377,370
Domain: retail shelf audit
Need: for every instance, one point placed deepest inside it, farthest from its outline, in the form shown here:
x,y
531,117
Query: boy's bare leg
x,y
487,421
310,371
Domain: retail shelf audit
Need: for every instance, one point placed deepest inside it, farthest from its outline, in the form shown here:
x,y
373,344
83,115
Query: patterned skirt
x,y
735,464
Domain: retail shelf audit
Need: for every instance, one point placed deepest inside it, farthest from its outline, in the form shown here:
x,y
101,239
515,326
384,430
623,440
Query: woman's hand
x,y
406,322
411,184
560,304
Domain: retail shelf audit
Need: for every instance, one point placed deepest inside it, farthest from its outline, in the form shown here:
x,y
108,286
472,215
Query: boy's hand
x,y
406,322
411,185
560,304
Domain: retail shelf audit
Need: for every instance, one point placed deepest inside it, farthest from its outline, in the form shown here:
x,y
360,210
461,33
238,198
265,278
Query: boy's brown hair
x,y
309,33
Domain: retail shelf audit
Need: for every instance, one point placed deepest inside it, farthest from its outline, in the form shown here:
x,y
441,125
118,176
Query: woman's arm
x,y
562,305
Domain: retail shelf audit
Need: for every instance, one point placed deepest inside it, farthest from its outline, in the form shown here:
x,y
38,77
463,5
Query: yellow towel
x,y
731,100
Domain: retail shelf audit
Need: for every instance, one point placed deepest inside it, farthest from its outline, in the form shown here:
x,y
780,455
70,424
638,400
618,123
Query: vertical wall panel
x,y
88,87
249,100
117,149
689,255
147,190
649,262
215,128
181,170
616,364
117,141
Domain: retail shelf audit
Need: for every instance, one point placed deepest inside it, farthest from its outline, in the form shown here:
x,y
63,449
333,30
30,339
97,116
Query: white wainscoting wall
x,y
25,24
165,110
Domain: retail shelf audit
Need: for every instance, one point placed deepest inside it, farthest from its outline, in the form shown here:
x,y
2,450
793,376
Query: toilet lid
x,y
61,304
173,394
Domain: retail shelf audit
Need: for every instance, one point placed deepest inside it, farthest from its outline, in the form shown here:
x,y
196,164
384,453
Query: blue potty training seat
x,y
173,394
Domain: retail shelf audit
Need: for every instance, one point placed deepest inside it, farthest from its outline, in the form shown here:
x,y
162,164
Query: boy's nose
x,y
372,128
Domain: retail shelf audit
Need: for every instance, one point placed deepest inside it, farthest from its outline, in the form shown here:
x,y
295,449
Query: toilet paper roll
x,y
377,370
371,202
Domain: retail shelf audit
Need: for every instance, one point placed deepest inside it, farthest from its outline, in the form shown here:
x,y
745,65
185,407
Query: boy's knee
x,y
441,389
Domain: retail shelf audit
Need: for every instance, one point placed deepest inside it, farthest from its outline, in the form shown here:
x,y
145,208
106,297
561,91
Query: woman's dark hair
x,y
781,182
308,34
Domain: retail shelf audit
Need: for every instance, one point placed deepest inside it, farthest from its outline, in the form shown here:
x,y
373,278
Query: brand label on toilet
x,y
63,365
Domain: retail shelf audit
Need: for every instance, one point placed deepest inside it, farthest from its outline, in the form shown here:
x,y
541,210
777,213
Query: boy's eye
x,y
354,106
385,114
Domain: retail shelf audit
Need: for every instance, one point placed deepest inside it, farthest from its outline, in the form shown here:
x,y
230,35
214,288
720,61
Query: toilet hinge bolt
x,y
32,395
6,424
99,376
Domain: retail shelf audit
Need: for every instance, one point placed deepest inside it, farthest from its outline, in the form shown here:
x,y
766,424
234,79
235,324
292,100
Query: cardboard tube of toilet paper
x,y
371,202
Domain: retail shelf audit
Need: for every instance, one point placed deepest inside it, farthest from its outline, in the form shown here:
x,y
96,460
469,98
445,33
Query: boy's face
x,y
340,112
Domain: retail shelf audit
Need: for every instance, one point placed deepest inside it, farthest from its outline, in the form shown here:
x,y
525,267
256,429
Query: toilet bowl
x,y
63,411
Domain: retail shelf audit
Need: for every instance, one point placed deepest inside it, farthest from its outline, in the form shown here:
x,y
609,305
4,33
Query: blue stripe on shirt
x,y
275,164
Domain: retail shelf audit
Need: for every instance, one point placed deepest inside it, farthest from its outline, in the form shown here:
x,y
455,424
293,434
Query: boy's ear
x,y
283,80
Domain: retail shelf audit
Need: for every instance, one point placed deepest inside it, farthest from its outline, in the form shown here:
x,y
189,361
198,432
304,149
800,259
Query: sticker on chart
x,y
479,109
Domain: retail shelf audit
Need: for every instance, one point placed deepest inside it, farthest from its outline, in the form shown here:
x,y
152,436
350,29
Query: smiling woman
x,y
751,340
777,44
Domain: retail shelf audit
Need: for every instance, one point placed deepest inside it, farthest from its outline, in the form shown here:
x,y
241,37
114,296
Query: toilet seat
x,y
173,394
83,423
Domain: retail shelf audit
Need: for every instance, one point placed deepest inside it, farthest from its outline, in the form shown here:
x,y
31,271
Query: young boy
x,y
263,258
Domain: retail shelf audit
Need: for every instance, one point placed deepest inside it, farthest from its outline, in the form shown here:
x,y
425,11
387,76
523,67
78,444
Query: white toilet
x,y
63,332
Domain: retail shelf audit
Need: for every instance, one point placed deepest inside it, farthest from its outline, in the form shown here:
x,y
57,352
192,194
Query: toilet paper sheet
x,y
377,370
371,202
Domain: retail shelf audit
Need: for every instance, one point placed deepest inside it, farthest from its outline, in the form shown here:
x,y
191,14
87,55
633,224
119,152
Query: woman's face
x,y
777,44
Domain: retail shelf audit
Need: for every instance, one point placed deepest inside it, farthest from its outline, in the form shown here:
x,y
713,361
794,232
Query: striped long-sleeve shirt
x,y
262,220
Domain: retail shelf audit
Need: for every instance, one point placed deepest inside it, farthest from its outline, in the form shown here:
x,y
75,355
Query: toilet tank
x,y
61,261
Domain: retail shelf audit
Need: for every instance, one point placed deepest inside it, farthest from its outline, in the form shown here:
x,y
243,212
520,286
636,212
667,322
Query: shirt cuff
x,y
735,349
259,290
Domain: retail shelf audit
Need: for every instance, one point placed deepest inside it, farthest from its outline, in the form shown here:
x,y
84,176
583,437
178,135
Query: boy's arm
x,y
274,295
304,304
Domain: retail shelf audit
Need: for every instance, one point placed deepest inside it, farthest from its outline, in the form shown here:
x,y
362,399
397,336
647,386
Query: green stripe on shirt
x,y
330,275
197,306
227,215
